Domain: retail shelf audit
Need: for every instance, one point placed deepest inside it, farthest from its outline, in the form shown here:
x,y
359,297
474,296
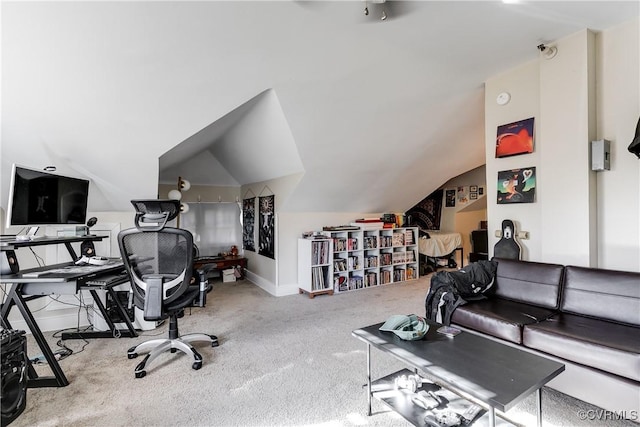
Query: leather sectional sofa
x,y
586,318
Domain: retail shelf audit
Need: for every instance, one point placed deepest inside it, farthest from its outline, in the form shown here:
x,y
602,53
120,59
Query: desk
x,y
222,263
65,278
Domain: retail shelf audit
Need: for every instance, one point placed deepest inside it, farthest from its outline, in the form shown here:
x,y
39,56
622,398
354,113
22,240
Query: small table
x,y
498,375
222,263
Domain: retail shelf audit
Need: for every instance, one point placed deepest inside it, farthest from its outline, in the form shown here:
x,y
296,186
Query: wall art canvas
x,y
266,238
428,212
450,199
517,186
463,195
515,138
248,224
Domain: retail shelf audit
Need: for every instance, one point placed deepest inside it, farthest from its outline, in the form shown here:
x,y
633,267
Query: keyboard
x,y
109,280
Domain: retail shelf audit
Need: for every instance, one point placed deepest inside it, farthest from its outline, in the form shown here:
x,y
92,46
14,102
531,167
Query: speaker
x,y
9,262
87,248
14,374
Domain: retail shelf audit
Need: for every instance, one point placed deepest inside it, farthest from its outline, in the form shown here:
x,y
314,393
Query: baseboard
x,y
276,291
288,290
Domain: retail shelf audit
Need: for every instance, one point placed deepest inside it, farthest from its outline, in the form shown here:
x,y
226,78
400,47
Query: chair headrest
x,y
153,214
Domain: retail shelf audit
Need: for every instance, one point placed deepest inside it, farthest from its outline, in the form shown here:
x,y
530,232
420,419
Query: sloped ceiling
x,y
377,114
252,143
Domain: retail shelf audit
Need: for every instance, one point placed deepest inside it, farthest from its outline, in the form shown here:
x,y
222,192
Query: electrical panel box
x,y
600,155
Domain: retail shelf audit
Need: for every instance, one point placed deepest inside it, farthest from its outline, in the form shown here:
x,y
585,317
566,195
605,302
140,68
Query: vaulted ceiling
x,y
377,114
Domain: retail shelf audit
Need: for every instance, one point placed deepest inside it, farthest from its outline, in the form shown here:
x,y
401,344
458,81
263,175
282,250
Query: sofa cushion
x,y
529,282
604,294
608,346
499,318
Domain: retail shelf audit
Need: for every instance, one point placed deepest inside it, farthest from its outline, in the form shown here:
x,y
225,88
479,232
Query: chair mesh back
x,y
168,252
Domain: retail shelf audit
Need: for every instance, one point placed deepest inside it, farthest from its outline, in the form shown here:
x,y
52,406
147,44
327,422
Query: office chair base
x,y
159,346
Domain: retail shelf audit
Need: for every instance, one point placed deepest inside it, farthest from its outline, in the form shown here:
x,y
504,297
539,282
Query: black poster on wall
x,y
248,224
266,237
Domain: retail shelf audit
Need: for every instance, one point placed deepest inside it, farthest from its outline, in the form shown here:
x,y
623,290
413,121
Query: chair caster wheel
x,y
214,341
141,374
196,365
132,355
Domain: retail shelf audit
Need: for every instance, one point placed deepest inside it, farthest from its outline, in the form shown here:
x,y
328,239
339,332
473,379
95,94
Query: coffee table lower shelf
x,y
451,407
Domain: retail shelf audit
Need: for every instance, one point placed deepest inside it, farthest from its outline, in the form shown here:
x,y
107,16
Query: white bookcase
x,y
315,259
363,258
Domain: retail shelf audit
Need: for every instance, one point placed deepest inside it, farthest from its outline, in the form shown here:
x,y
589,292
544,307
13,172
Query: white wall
x,y
582,94
618,106
523,83
475,176
263,270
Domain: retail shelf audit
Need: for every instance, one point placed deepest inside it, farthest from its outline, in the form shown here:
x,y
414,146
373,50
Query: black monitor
x,y
38,197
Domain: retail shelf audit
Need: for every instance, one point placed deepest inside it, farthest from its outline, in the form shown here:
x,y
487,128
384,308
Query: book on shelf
x,y
340,264
320,252
408,237
398,239
340,227
340,283
339,244
318,278
370,242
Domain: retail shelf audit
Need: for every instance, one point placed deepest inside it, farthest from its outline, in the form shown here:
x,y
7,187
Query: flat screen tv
x,y
38,197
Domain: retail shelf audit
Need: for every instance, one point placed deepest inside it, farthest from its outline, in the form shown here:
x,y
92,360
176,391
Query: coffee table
x,y
483,370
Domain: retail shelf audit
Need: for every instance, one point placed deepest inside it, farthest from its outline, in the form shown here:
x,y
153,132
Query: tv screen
x,y
39,197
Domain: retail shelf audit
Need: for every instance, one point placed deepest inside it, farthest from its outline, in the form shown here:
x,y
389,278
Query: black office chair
x,y
159,261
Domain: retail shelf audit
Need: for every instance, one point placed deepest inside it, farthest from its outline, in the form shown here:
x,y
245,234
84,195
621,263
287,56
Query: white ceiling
x,y
377,114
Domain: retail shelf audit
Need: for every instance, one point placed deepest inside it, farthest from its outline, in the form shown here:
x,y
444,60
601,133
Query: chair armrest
x,y
205,287
153,297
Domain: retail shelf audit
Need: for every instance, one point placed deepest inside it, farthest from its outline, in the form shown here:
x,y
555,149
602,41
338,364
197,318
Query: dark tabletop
x,y
494,373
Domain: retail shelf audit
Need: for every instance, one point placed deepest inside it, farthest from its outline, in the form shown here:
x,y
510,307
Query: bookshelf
x,y
315,258
362,259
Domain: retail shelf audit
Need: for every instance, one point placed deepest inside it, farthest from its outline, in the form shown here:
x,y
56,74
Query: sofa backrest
x,y
529,282
606,294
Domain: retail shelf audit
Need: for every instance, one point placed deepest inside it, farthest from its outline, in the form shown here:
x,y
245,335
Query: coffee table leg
x,y
539,406
369,379
492,416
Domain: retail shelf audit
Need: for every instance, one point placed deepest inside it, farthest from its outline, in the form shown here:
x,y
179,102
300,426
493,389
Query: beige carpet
x,y
288,361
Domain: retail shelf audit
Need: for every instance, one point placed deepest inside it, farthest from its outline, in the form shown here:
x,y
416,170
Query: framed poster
x,y
248,224
463,195
515,138
450,199
266,244
517,186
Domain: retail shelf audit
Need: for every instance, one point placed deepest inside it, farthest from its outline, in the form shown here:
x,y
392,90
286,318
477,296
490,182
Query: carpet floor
x,y
286,361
